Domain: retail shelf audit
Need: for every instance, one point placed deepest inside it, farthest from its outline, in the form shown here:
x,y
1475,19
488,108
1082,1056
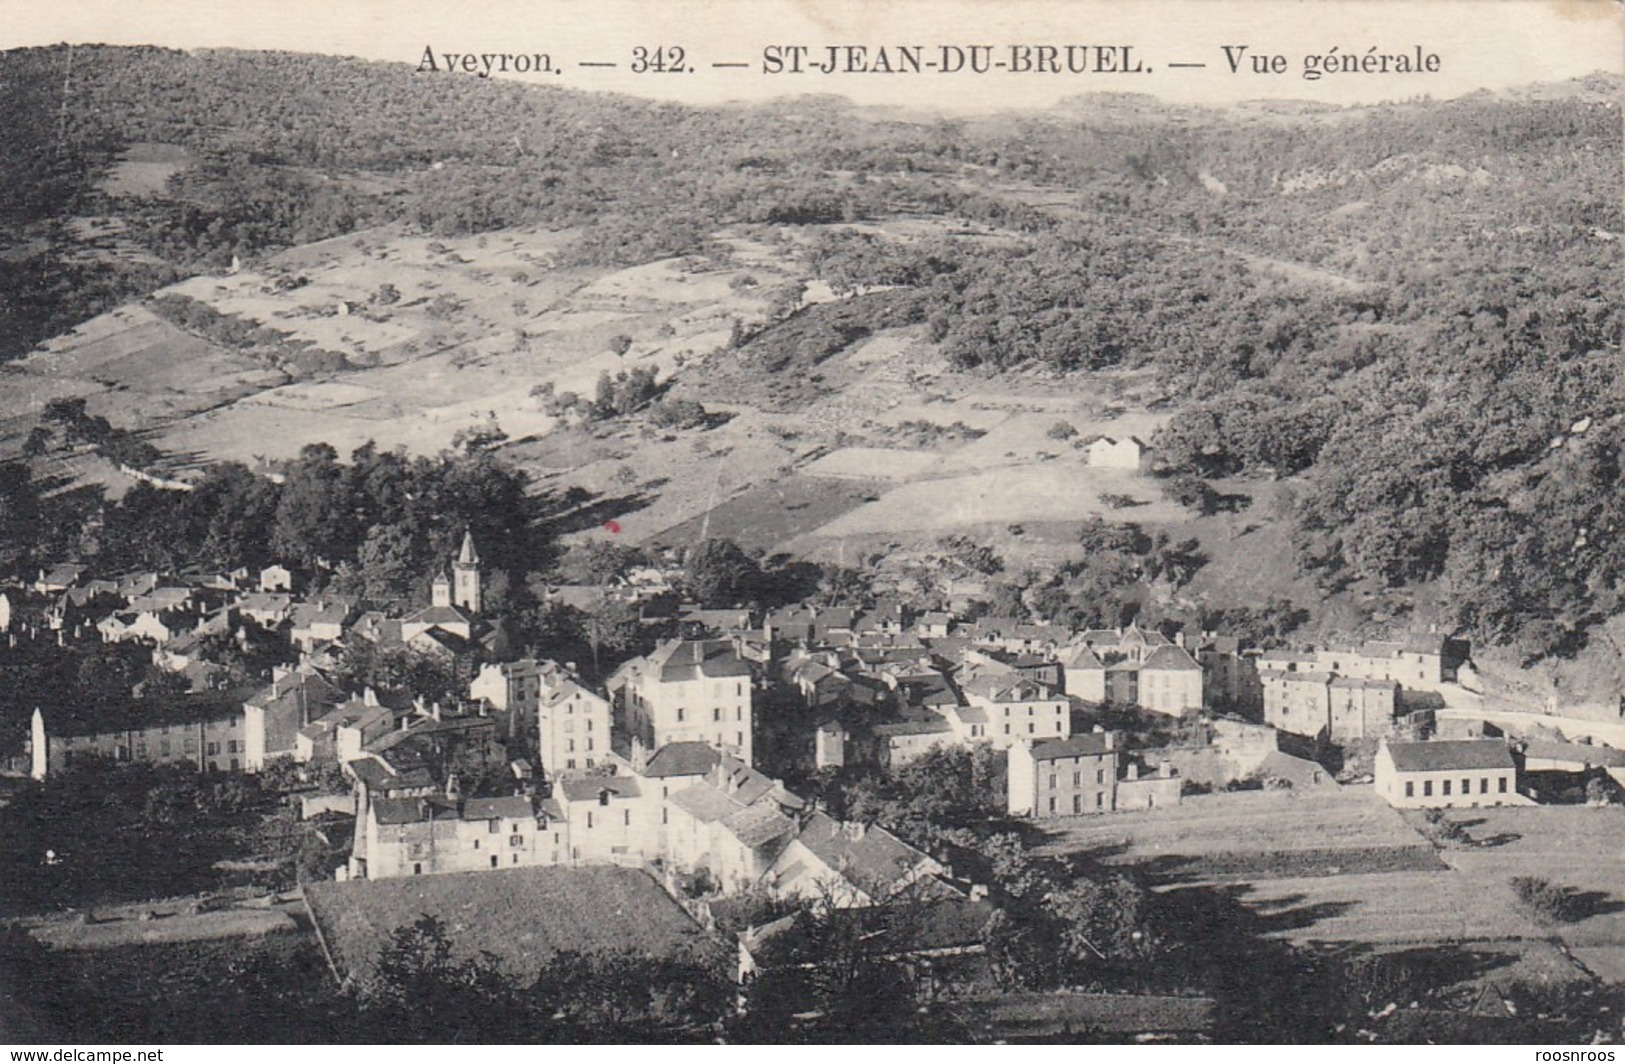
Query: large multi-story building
x,y
1326,707
1063,777
572,724
425,835
687,691
1004,709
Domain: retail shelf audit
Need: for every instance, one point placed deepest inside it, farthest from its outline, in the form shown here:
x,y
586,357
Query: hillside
x,y
1390,335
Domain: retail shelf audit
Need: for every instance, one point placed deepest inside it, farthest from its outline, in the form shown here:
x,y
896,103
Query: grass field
x,y
522,916
1241,822
771,513
1345,868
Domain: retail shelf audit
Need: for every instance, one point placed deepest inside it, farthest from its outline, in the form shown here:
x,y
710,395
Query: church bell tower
x,y
465,575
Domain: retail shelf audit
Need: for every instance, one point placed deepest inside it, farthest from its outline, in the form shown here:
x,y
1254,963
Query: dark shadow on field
x,y
577,511
1504,838
1577,905
1267,990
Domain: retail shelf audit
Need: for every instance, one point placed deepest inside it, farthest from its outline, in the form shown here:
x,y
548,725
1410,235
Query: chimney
x,y
978,892
1132,772
434,710
1111,740
454,789
369,696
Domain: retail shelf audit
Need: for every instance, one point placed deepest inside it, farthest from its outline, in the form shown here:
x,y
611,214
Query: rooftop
x,y
1085,744
1443,755
681,759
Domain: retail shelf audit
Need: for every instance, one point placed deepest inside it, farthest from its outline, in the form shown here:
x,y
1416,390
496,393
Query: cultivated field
x,y
521,916
1242,822
1343,867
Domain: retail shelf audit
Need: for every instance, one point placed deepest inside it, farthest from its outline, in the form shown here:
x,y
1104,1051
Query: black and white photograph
x,y
811,522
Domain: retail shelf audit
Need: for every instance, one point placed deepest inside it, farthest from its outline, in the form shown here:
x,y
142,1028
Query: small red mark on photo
x,y
613,526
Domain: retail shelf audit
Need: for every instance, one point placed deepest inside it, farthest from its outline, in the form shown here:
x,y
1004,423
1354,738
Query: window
x,y
493,860
1100,799
1007,729
516,840
589,821
665,815
1501,785
1427,788
1484,785
680,712
234,764
1077,803
1410,789
476,844
603,796
212,749
417,869
514,828
1100,776
1077,779
493,826
1052,781
716,714
1466,786
739,739
1446,788
626,818
1052,805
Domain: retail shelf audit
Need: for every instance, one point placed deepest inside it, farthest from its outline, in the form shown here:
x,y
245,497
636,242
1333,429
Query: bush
x,y
1061,430
677,414
1544,900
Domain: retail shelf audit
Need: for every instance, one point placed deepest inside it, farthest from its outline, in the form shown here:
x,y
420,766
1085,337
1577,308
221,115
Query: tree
x,y
721,574
389,564
315,518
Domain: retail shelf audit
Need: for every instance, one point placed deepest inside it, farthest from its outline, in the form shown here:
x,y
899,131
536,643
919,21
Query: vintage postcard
x,y
811,522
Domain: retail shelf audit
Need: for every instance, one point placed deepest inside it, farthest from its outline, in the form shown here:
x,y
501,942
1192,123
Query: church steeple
x,y
465,574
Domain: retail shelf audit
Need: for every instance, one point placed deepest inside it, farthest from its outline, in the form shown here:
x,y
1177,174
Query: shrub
x,y
1062,430
677,414
1544,900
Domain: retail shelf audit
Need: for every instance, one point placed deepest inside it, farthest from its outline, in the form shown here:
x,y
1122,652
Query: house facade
x,y
687,691
1063,777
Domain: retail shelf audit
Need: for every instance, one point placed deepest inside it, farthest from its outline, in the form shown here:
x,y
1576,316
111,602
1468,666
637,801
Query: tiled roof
x,y
1449,754
1170,658
681,759
587,788
1087,743
705,803
679,660
1082,658
759,824
438,615
868,857
509,808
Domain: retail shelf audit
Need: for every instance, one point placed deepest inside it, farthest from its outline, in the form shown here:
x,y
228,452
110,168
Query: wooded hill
x,y
1413,310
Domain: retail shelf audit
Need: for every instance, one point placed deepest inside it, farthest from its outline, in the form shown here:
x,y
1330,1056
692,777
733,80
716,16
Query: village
x,y
703,766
